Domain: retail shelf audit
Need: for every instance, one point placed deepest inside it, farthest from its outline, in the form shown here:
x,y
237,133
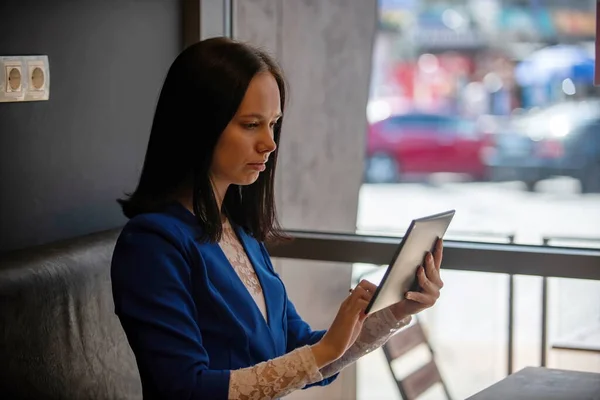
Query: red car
x,y
421,143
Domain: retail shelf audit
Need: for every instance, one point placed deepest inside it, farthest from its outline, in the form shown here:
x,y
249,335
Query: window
x,y
507,106
508,89
471,106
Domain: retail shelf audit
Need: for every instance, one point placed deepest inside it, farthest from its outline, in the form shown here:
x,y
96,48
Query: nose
x,y
267,144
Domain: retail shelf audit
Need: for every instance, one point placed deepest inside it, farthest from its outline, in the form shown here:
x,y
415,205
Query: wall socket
x,y
24,78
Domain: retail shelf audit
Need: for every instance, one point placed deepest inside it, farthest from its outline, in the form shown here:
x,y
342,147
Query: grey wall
x,y
325,48
63,162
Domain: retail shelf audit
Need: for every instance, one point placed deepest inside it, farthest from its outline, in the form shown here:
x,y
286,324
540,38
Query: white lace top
x,y
280,376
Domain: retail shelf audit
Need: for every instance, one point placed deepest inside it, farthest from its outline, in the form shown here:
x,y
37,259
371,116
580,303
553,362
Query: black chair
x,y
59,336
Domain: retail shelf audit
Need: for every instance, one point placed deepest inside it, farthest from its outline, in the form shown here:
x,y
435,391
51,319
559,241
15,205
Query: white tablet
x,y
400,276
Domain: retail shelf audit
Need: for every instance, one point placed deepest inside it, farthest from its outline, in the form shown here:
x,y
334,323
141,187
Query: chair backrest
x,y
59,336
417,382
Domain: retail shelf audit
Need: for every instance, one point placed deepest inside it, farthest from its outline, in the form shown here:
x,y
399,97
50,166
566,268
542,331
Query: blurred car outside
x,y
421,143
560,140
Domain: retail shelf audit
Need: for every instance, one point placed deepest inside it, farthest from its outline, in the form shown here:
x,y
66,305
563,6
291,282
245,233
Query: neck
x,y
219,190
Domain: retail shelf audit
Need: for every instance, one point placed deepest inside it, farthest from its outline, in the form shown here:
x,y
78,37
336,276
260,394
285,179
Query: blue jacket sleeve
x,y
152,294
299,332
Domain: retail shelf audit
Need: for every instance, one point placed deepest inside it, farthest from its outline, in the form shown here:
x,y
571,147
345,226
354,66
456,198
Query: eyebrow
x,y
259,116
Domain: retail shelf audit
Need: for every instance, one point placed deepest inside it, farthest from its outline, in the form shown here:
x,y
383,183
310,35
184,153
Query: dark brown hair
x,y
201,93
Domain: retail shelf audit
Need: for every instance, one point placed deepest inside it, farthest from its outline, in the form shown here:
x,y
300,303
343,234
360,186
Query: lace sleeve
x,y
275,378
376,330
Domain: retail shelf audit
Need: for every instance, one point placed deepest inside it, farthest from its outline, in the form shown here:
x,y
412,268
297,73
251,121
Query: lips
x,y
258,166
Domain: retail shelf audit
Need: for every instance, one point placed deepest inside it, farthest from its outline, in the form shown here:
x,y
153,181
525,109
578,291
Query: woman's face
x,y
248,140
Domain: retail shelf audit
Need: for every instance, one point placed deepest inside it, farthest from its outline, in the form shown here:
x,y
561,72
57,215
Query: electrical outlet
x,y
38,78
14,76
24,78
11,79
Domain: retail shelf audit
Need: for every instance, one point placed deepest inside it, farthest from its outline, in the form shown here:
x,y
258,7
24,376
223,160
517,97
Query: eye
x,y
251,125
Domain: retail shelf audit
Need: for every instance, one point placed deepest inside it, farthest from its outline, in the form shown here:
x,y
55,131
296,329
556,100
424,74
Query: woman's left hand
x,y
429,282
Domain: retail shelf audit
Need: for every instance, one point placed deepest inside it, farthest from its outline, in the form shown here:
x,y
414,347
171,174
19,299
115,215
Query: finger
x,y
432,272
364,289
355,294
355,305
427,286
360,293
360,306
365,284
421,298
438,253
354,310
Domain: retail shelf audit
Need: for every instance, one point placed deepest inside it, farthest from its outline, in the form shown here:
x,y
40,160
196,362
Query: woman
x,y
205,313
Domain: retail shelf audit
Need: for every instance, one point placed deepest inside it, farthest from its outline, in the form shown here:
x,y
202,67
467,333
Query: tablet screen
x,y
400,275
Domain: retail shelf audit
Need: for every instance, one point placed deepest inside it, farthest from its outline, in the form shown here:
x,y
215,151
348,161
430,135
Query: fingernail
x,y
429,257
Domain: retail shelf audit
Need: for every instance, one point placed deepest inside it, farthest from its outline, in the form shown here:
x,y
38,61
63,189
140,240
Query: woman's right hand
x,y
346,326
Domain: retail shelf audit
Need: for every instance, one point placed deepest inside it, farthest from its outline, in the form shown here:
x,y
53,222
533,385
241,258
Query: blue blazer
x,y
188,317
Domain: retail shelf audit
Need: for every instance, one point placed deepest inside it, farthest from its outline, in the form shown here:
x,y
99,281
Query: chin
x,y
247,180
